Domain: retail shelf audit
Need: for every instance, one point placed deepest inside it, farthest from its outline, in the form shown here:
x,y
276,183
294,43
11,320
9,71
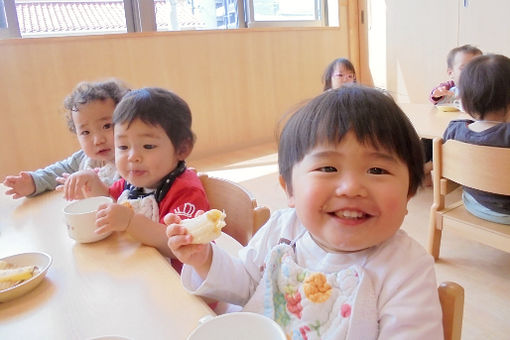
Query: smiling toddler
x,y
335,264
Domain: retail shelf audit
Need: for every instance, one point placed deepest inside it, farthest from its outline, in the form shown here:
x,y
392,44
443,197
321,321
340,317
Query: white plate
x,y
41,260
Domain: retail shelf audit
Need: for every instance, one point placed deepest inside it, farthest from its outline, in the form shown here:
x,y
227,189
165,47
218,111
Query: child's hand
x,y
81,184
20,186
199,256
441,92
62,180
113,217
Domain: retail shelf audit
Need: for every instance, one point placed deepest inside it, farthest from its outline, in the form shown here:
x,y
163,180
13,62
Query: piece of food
x,y
11,275
206,227
447,107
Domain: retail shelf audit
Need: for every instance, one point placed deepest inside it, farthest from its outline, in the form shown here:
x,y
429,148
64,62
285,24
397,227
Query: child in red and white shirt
x,y
153,137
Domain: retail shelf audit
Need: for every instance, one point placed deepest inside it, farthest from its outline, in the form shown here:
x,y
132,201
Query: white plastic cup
x,y
80,218
237,325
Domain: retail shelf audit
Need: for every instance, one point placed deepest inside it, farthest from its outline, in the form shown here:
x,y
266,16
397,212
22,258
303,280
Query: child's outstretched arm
x,y
81,184
20,186
199,256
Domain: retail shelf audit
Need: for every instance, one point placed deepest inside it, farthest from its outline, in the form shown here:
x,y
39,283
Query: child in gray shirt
x,y
89,111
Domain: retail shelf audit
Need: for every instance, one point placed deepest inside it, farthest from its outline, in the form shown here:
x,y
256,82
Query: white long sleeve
x,y
401,272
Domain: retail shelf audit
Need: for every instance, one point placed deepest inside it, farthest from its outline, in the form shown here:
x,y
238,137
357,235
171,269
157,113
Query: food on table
x,y
206,227
447,107
12,275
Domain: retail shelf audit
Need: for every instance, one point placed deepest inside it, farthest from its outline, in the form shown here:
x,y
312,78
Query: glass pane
x,y
333,19
70,17
3,19
284,10
175,15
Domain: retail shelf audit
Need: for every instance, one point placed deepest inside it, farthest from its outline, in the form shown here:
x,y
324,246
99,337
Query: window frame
x,y
140,16
12,30
143,20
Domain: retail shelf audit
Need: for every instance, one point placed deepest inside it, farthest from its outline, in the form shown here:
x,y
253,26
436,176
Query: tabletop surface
x,y
112,287
429,121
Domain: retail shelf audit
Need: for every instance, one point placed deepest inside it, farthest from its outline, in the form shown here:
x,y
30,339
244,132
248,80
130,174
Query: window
x,y
37,18
58,18
174,15
285,13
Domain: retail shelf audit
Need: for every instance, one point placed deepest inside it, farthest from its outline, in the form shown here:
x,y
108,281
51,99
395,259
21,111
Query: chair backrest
x,y
451,296
481,167
244,217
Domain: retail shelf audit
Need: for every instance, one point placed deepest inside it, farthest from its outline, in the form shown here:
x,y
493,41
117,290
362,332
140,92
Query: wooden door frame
x,y
358,40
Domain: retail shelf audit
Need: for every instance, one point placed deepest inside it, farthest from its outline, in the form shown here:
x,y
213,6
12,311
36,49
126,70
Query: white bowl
x,y
41,260
80,218
109,337
237,325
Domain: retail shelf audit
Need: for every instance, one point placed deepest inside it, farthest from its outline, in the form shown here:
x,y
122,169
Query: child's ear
x,y
450,73
290,197
184,150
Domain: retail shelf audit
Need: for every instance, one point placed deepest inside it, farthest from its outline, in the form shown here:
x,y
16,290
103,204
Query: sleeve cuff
x,y
193,283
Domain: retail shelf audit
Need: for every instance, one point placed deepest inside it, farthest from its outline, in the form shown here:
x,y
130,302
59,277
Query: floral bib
x,y
313,305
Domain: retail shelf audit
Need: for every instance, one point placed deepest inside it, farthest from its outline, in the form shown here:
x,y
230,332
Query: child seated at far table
x,y
448,92
335,265
457,59
339,72
89,110
485,93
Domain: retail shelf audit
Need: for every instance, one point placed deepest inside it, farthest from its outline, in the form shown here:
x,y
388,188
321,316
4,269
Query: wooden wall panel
x,y
238,83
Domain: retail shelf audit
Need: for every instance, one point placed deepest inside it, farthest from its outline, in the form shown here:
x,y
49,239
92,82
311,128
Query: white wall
x,y
419,34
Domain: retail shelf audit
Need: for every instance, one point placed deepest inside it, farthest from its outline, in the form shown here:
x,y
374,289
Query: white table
x,y
429,121
112,287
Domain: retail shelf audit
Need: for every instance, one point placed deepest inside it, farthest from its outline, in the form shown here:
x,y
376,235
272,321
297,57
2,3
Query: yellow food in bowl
x,y
11,275
447,108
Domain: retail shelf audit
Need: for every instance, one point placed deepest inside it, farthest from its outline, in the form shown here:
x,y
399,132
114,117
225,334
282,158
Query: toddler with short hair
x,y
485,93
457,59
89,110
153,138
335,265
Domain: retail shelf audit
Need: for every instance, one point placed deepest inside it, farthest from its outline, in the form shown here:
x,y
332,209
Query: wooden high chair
x,y
479,167
244,217
451,296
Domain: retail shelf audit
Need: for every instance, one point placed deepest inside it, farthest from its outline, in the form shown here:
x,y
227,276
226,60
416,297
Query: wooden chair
x,y
480,167
244,217
451,296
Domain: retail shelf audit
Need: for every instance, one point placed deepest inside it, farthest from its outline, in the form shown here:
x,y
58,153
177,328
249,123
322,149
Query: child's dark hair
x,y
328,73
484,85
468,49
158,107
372,116
86,92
